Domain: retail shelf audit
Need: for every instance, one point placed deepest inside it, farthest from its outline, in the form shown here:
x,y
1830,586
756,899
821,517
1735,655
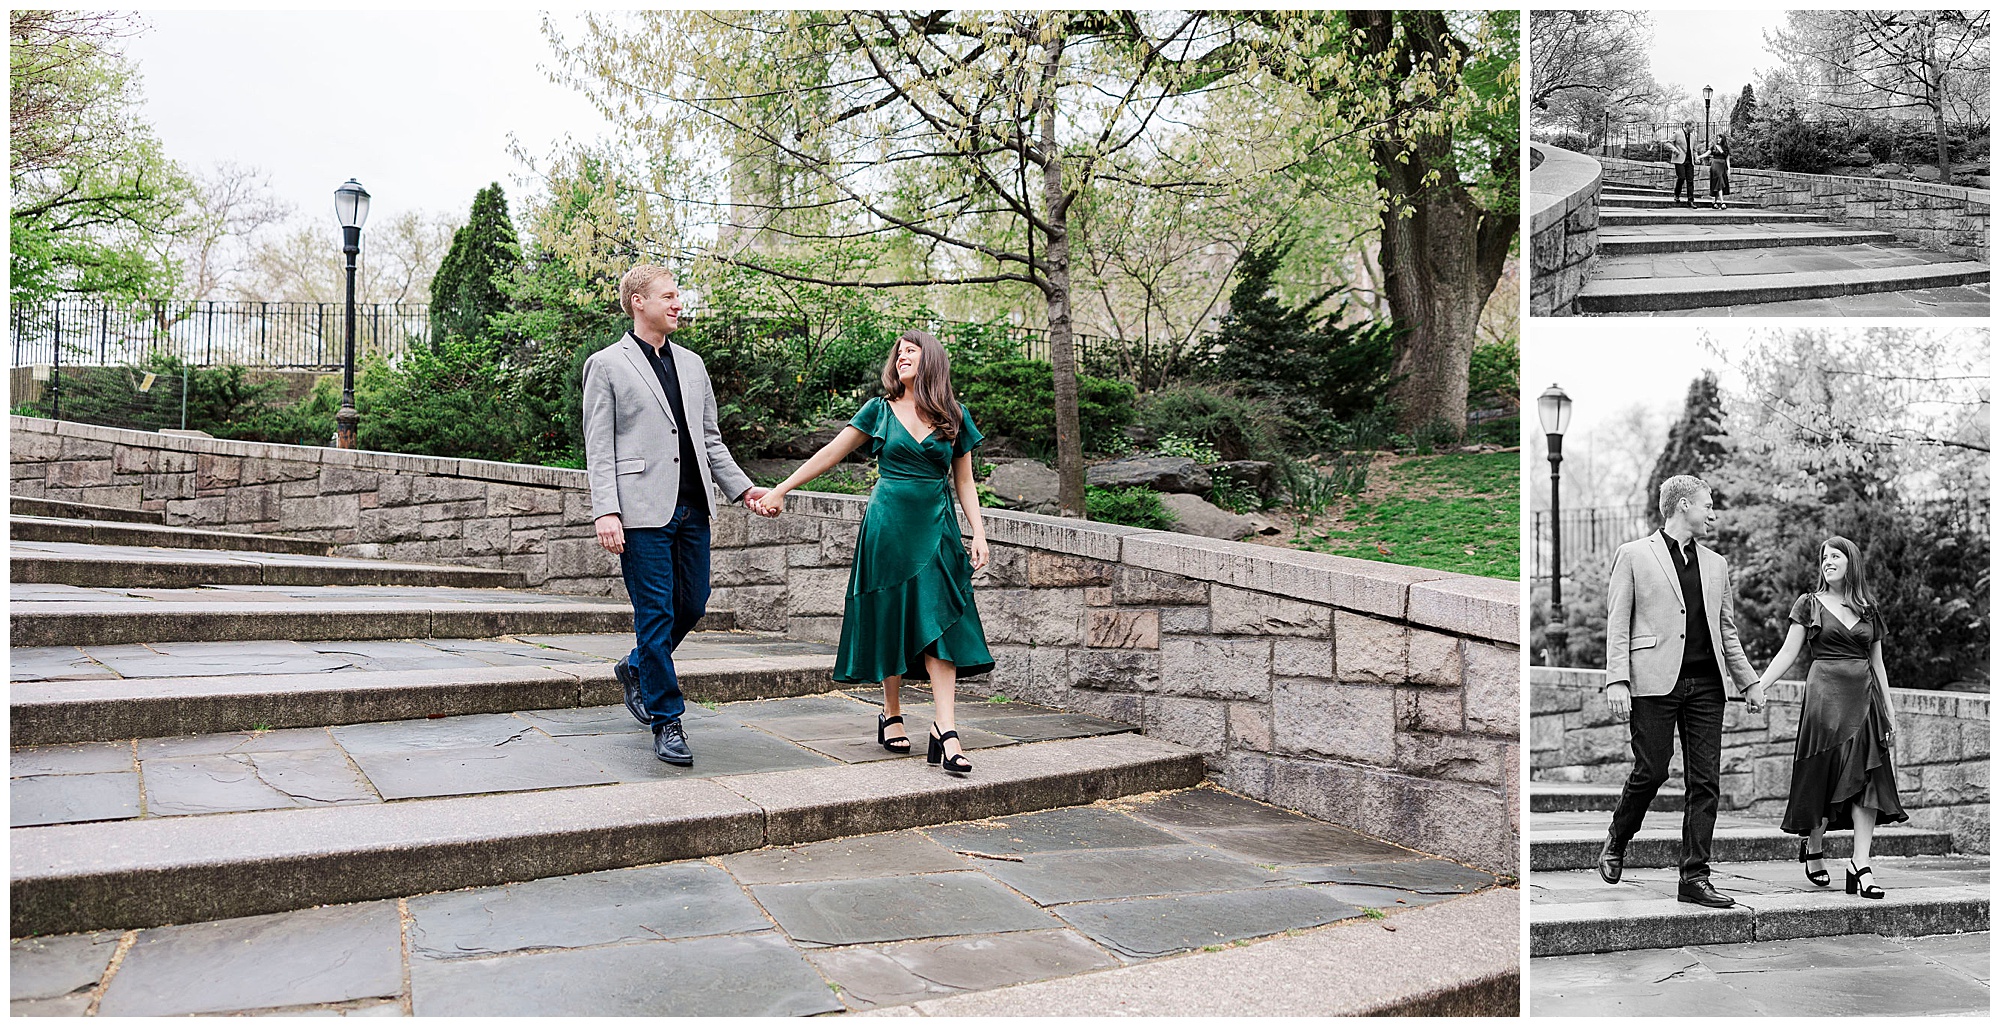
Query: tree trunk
x,y
1934,71
1441,254
1062,349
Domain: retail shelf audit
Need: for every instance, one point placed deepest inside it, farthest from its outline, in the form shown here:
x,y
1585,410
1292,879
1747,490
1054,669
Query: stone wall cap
x,y
1956,192
1560,182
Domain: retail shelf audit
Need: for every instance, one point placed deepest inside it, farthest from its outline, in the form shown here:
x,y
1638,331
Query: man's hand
x,y
1754,699
611,533
1619,697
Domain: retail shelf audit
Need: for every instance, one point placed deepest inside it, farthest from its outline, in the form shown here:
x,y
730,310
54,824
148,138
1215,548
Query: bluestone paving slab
x,y
1044,728
58,967
178,869
719,749
854,748
54,663
677,900
251,781
1053,878
203,659
753,975
393,655
528,762
279,740
500,652
1388,900
901,972
1146,928
1304,843
835,706
73,758
331,954
1428,876
1457,958
404,736
878,855
877,909
1211,807
1055,830
72,798
1970,954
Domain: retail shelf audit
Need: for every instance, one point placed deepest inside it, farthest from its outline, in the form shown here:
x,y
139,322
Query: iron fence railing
x,y
253,334
1586,531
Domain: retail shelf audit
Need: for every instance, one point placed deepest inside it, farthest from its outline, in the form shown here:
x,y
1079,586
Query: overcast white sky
x,y
1608,369
1720,49
418,106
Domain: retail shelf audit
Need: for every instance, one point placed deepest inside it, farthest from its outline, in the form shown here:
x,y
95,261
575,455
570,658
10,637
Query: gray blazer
x,y
1645,621
631,447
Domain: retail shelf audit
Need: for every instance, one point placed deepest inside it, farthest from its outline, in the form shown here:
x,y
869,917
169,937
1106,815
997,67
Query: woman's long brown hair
x,y
937,405
1855,583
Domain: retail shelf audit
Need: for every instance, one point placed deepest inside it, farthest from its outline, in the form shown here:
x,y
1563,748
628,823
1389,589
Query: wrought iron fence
x,y
1586,531
253,334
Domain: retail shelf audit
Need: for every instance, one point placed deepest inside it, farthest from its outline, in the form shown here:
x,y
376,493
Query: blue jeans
x,y
666,574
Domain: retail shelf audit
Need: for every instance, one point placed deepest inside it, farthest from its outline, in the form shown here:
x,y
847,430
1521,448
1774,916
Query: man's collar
x,y
1681,542
659,350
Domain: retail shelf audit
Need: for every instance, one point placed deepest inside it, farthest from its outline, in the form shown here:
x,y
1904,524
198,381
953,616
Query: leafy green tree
x,y
94,197
468,288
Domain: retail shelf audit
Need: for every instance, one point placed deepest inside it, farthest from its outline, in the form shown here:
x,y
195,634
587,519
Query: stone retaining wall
x,y
1941,749
1947,218
1562,203
1380,697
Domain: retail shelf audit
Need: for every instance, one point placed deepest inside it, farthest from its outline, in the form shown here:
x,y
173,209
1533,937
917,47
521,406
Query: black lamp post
x,y
350,205
1706,93
1553,406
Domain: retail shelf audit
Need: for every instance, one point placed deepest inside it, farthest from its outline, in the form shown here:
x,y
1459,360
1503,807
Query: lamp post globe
x,y
350,207
1553,408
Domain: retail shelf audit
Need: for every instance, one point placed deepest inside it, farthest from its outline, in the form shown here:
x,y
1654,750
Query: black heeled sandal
x,y
899,746
1819,877
935,757
1854,882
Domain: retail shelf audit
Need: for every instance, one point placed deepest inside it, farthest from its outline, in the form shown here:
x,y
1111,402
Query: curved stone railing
x,y
1947,218
1562,220
1941,749
1381,697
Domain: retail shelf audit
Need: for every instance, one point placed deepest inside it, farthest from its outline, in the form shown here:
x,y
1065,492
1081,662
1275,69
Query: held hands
x,y
611,533
764,502
1619,698
1754,699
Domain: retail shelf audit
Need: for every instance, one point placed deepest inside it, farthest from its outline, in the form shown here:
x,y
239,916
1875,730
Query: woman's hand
x,y
771,504
977,550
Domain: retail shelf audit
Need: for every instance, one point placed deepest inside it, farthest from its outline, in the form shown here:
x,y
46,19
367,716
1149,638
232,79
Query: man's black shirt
x,y
1698,654
670,381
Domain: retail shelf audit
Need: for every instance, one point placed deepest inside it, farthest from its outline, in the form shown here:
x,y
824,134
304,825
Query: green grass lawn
x,y
1455,512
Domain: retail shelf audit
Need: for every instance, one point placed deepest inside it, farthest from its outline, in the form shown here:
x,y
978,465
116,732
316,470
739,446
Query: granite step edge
x,y
1454,958
1577,850
122,623
110,572
57,529
1626,295
144,873
54,712
1561,797
1564,929
34,506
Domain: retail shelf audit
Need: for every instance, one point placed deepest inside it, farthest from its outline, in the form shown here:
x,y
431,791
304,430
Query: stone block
x,y
757,566
1047,570
1588,746
757,607
1123,629
166,486
76,474
1462,820
141,460
1324,718
74,448
1548,698
203,511
836,546
453,510
1921,740
488,536
765,531
580,558
308,487
1975,739
1199,724
1770,777
814,629
1123,707
1453,757
335,480
395,489
1218,668
431,489
1492,690
1136,586
1033,616
1738,791
253,503
509,500
1545,733
1430,709
1302,657
1953,785
125,496
1006,566
258,471
1434,659
576,510
322,512
1485,608
815,592
1235,611
1250,726
1184,620
1098,595
33,447
1370,649
396,524
805,554
1049,674
453,528
1113,670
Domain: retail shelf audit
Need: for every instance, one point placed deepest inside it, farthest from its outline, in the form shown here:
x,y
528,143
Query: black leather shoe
x,y
632,704
670,744
1701,893
1611,860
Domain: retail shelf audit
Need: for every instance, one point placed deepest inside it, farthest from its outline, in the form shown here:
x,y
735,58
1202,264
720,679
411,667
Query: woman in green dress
x,y
910,612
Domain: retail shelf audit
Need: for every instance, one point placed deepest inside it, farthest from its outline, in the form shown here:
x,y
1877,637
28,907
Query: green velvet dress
x,y
910,591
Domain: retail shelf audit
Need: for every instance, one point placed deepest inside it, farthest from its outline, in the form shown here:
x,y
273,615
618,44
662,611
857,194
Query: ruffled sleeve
x,y
872,420
1802,611
968,434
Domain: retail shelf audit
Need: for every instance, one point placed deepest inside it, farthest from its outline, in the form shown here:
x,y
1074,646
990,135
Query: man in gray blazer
x,y
1670,643
654,457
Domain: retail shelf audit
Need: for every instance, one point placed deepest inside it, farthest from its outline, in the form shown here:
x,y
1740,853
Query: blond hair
x,y
1677,488
637,281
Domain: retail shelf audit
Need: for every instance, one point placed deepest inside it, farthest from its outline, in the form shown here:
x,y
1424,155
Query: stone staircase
x,y
1600,944
1657,258
249,775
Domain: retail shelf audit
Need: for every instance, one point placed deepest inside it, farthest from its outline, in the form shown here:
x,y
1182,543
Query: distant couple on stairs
x,y
654,454
1681,152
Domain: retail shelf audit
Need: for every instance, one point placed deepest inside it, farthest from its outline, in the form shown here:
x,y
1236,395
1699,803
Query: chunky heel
x,y
899,746
952,765
1818,877
1855,887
